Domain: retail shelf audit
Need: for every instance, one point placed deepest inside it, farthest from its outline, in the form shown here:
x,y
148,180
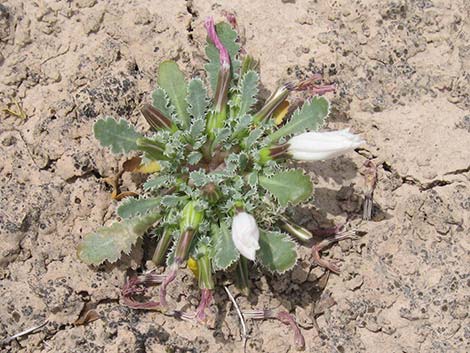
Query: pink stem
x,y
288,319
282,316
169,278
136,286
206,299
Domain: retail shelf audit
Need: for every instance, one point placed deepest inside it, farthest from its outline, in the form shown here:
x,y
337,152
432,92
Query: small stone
x,y
315,274
9,140
303,318
323,37
299,275
85,3
93,22
355,283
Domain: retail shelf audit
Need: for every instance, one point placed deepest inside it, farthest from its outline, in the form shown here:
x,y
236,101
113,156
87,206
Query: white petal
x,y
245,234
312,146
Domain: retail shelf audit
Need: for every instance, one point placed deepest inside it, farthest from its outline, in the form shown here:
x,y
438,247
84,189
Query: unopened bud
x,y
190,217
211,192
156,119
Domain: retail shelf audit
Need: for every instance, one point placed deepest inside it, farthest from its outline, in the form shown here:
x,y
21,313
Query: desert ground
x,y
402,70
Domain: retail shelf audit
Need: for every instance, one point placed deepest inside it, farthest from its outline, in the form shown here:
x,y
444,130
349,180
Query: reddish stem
x,y
169,278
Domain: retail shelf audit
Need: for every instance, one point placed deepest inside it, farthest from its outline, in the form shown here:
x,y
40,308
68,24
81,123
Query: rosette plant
x,y
219,200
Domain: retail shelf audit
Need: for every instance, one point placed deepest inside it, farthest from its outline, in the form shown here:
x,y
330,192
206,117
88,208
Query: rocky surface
x,y
402,72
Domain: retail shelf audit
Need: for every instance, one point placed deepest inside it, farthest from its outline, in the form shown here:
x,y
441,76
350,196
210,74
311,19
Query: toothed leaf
x,y
108,243
161,101
171,79
228,37
288,186
310,116
225,251
171,200
277,252
194,157
138,207
197,99
253,137
158,182
119,136
221,135
197,128
248,92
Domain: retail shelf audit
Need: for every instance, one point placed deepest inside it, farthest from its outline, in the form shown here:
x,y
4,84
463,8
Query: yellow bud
x,y
192,265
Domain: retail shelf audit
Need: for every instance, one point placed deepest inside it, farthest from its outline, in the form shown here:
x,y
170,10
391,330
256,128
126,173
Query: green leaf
x,y
254,135
277,251
159,182
310,116
172,200
197,99
107,243
289,186
118,135
194,157
228,37
225,251
197,128
132,207
221,135
171,79
162,102
248,92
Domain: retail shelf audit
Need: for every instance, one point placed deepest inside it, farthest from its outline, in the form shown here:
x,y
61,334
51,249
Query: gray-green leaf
x,y
107,243
288,186
132,207
171,79
197,99
118,135
225,251
310,116
277,251
248,92
158,182
161,101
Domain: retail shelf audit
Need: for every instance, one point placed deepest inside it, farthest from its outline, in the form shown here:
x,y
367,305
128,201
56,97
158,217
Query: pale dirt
x,y
403,75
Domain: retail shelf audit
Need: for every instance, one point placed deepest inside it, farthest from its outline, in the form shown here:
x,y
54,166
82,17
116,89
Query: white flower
x,y
245,234
318,146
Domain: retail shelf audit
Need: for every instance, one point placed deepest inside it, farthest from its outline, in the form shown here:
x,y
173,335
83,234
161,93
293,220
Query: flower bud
x,y
269,153
271,104
190,217
245,235
298,232
211,192
318,146
156,119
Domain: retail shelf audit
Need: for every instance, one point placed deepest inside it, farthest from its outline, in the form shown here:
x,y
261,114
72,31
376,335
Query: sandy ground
x,y
403,72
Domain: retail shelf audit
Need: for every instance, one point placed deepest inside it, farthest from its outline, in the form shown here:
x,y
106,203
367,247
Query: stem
x,y
205,273
288,319
282,316
206,300
183,245
243,281
162,247
317,248
170,278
